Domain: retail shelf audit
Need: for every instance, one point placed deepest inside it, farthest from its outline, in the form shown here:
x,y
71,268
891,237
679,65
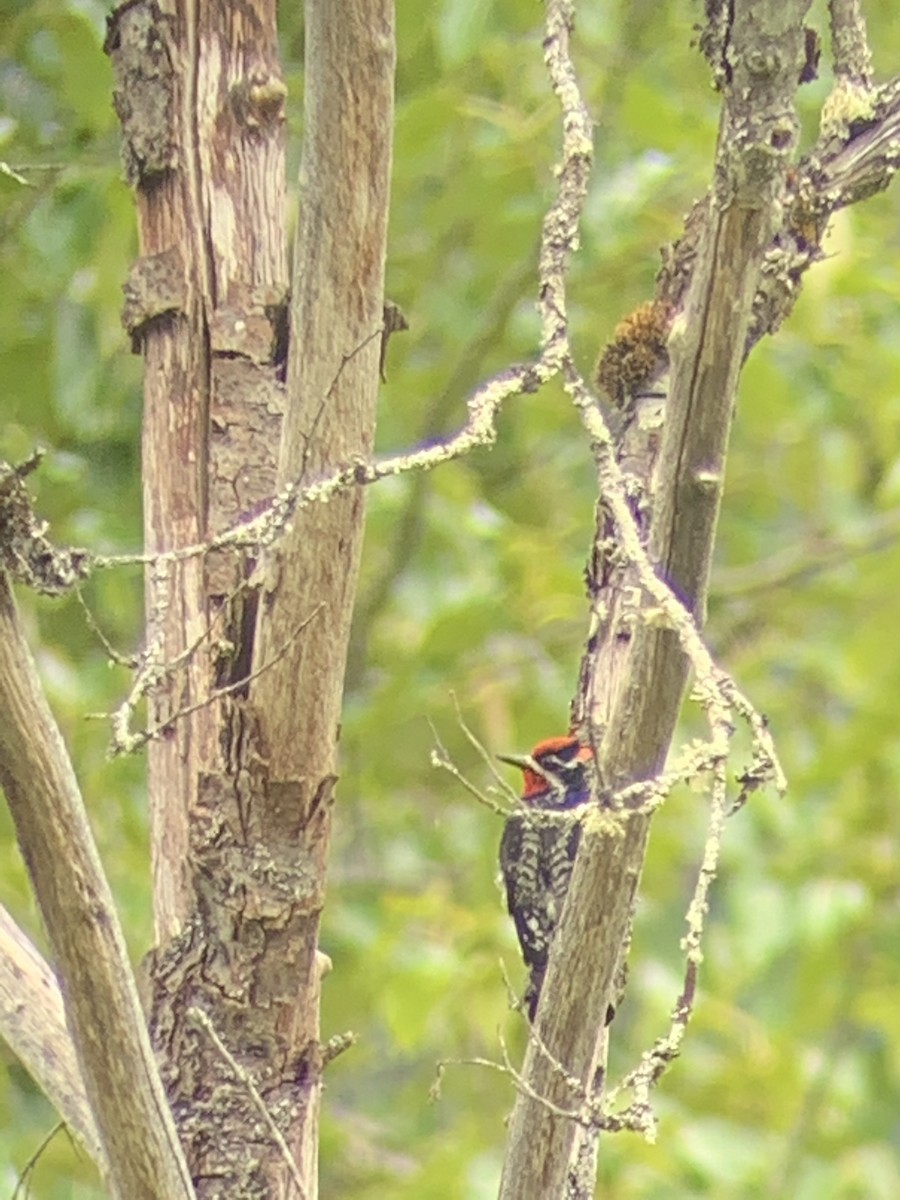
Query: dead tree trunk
x,y
247,642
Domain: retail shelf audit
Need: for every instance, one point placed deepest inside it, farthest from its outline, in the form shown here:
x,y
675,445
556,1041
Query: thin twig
x,y
28,1170
440,759
484,754
201,1020
130,742
265,527
121,660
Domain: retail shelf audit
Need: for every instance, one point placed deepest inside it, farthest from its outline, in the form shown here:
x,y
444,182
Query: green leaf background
x,y
789,1084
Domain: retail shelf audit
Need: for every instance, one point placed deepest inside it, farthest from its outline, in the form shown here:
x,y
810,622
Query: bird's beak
x,y
523,761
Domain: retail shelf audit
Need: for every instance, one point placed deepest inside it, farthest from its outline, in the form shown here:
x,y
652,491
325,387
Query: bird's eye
x,y
552,762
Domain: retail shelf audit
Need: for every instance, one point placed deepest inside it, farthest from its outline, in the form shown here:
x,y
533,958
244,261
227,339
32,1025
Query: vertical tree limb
x,y
849,42
332,384
332,389
758,53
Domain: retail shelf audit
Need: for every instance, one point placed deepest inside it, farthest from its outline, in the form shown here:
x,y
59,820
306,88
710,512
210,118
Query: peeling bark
x,y
248,646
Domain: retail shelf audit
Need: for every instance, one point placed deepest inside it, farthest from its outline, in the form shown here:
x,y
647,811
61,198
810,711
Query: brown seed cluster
x,y
637,351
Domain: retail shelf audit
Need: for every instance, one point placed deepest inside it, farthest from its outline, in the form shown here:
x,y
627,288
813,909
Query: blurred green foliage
x,y
472,586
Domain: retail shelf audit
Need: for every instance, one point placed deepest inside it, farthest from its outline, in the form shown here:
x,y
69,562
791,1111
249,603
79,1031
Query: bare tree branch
x,y
33,1024
102,1008
849,42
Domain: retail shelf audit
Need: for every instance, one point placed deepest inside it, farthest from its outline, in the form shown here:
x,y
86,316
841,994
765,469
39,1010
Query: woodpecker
x,y
539,844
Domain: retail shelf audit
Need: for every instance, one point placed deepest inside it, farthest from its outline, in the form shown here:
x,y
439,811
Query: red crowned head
x,y
555,773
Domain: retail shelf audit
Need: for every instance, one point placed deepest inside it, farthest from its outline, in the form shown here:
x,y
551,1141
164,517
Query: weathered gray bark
x,y
201,100
247,647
